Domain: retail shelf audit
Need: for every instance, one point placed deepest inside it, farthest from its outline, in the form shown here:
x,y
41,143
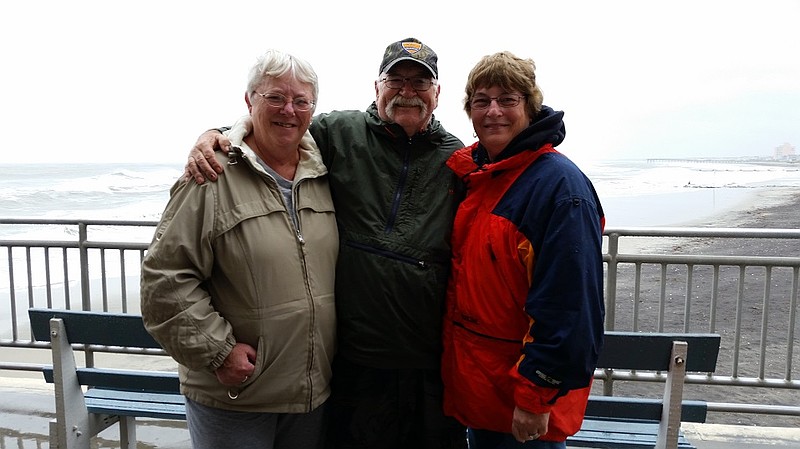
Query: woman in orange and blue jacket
x,y
524,321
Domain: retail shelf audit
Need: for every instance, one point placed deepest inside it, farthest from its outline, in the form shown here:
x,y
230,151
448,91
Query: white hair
x,y
275,64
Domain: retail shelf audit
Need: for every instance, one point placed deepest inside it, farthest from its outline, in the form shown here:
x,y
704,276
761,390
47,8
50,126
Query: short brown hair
x,y
505,70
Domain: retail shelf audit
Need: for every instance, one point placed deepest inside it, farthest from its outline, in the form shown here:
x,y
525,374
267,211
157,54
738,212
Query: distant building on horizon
x,y
785,152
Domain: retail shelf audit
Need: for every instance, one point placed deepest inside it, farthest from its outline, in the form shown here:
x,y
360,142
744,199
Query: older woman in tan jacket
x,y
238,282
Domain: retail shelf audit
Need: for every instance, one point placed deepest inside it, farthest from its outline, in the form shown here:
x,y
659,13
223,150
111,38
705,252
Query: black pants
x,y
389,408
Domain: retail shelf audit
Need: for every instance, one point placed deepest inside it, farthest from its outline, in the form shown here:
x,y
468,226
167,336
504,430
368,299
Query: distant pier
x,y
701,160
712,160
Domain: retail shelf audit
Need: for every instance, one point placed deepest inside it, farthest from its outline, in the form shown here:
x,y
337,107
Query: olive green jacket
x,y
395,203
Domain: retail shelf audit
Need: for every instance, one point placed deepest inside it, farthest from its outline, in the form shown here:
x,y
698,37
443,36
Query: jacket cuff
x,y
230,342
531,397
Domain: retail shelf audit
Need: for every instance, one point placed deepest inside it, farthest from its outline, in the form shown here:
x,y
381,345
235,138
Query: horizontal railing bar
x,y
74,244
116,245
92,222
700,379
6,343
11,366
704,232
696,260
729,407
40,243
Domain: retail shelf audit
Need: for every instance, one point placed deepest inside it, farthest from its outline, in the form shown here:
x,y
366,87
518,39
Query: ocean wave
x,y
140,191
632,178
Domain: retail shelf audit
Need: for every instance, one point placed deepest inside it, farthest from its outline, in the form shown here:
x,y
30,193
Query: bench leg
x,y
670,425
72,429
54,434
127,432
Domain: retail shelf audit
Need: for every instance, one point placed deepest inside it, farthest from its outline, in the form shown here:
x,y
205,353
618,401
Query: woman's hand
x,y
238,366
526,426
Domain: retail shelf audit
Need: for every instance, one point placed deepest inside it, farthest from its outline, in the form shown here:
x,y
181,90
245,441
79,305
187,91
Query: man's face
x,y
409,108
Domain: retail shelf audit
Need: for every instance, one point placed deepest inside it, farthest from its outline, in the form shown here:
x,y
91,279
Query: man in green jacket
x,y
395,202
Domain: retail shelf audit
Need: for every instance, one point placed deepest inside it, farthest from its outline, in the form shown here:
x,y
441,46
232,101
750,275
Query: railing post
x,y
792,322
83,251
86,299
611,279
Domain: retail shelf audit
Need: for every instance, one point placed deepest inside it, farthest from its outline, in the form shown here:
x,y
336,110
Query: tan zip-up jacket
x,y
226,265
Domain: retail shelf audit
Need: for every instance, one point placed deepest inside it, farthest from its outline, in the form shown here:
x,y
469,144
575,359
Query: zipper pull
x,y
234,154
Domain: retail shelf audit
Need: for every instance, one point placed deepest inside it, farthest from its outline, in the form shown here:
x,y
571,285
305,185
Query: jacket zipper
x,y
388,254
301,241
312,310
398,193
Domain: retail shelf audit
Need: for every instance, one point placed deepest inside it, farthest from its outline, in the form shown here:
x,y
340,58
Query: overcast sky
x,y
138,81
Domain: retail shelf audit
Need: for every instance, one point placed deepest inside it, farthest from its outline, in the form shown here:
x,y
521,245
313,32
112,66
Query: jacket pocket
x,y
235,392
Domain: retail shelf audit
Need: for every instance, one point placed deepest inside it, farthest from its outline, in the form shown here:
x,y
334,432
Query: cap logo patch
x,y
411,47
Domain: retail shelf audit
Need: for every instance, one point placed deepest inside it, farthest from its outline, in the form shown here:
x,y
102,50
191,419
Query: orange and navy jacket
x,y
524,319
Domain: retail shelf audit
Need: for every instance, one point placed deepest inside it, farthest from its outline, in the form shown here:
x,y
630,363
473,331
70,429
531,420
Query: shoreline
x,y
763,203
738,212
693,207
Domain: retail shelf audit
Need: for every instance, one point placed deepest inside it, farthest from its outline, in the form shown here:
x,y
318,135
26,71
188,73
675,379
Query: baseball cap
x,y
409,50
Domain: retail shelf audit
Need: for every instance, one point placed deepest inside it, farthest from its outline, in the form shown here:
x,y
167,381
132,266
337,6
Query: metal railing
x,y
740,283
657,279
88,270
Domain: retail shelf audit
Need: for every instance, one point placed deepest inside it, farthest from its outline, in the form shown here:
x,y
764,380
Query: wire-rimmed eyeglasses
x,y
301,104
504,101
418,83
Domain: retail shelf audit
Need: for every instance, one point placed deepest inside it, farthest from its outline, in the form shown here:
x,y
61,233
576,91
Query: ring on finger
x,y
533,436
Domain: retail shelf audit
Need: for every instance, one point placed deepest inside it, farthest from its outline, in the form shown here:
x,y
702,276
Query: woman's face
x,y
496,125
280,125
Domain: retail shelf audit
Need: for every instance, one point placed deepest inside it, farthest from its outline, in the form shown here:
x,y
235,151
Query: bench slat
x,y
620,426
642,408
631,434
646,351
162,398
111,329
115,402
157,381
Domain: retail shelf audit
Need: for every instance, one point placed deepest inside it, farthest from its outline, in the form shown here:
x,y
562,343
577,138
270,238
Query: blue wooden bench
x,y
117,395
647,423
111,395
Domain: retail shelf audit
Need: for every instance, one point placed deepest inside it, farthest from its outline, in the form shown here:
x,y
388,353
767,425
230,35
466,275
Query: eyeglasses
x,y
417,83
504,101
301,104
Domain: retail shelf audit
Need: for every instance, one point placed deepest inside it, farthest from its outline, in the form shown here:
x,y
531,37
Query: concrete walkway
x,y
26,408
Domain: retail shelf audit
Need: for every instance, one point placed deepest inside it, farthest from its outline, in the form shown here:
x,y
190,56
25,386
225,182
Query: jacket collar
x,y
546,130
547,127
310,165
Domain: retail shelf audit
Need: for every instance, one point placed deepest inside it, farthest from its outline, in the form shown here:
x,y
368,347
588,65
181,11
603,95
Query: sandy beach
x,y
777,209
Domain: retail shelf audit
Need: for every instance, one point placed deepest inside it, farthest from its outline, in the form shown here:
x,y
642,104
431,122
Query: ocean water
x,y
89,191
633,192
674,193
83,191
